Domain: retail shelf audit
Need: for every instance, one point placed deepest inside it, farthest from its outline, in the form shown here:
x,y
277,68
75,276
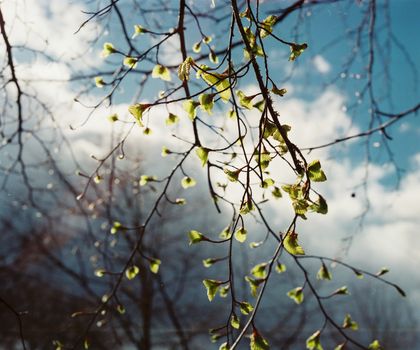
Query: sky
x,y
318,106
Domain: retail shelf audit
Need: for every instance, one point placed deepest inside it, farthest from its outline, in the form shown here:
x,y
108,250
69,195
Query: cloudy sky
x,y
382,216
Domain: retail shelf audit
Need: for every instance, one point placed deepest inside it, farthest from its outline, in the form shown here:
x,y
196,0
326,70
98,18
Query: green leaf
x,y
99,82
280,268
225,234
196,237
258,342
300,206
172,119
224,346
211,286
184,69
296,294
315,172
190,106
197,47
137,111
296,50
240,235
245,101
203,154
320,206
209,262
188,182
121,309
254,284
100,272
161,72
276,192
220,83
260,105
290,243
108,49
165,151
232,175
349,323
113,118
206,102
313,342
213,57
341,291
234,321
281,92
245,307
116,226
132,272
138,29
259,270
382,271
154,265
144,179
267,26
246,207
223,291
375,345
130,62
324,273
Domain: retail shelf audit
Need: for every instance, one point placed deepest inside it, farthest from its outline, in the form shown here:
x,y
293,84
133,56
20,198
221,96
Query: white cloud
x,y
321,64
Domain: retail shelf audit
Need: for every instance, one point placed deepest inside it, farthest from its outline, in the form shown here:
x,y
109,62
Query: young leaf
x,y
340,346
224,346
349,323
113,118
188,182
223,291
225,234
220,83
203,154
267,26
245,101
138,29
320,206
132,272
99,82
165,151
296,50
154,265
315,172
324,273
108,49
254,284
144,179
280,268
290,243
172,119
100,272
190,106
341,291
211,286
161,72
276,192
281,92
375,345
296,294
206,102
213,57
196,237
137,111
197,47
313,342
234,321
267,183
258,342
382,271
232,175
209,262
121,309
240,234
130,62
116,226
259,271
245,307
